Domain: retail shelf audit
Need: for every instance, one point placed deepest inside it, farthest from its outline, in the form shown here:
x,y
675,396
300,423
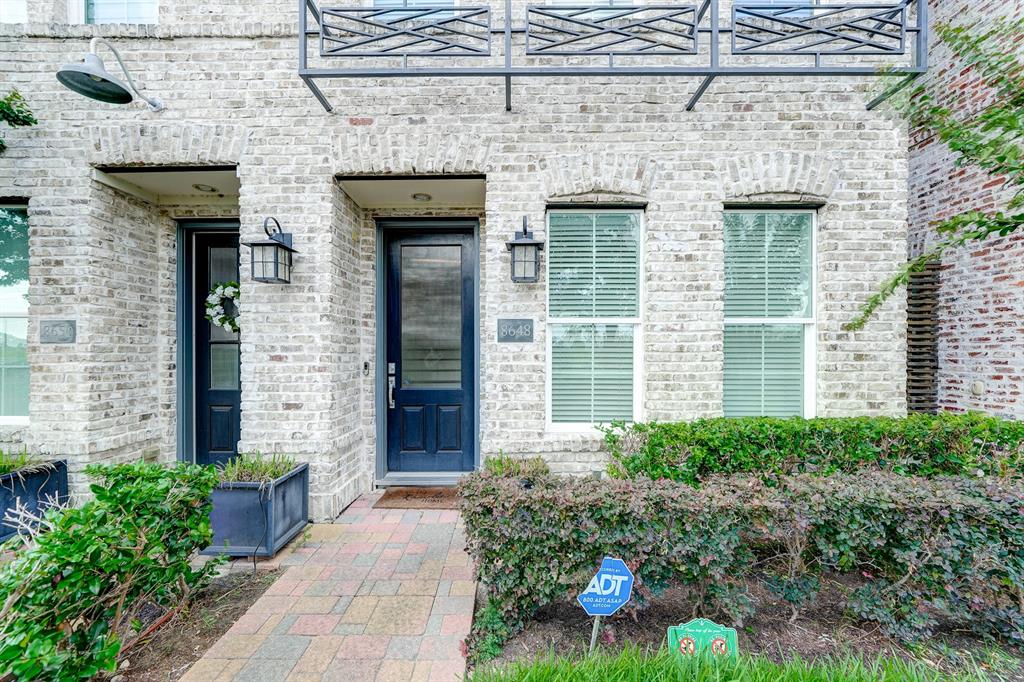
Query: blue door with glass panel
x,y
215,352
430,347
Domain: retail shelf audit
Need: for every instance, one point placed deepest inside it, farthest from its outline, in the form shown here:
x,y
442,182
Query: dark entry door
x,y
431,357
215,352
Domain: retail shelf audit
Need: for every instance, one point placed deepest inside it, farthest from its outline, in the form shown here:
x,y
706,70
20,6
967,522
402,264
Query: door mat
x,y
418,498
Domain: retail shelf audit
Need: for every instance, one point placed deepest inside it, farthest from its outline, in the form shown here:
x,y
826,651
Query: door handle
x,y
391,393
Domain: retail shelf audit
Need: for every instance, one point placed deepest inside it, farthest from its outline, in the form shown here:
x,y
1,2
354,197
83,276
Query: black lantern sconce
x,y
525,255
272,257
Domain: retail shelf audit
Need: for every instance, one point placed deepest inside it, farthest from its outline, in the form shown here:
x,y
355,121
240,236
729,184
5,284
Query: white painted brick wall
x,y
233,97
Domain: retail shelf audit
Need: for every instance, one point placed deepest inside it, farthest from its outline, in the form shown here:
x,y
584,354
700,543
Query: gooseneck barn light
x,y
90,77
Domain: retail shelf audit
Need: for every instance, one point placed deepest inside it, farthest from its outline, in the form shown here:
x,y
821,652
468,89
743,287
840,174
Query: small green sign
x,y
701,636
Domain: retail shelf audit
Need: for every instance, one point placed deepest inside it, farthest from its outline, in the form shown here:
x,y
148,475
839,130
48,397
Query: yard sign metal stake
x,y
607,592
593,634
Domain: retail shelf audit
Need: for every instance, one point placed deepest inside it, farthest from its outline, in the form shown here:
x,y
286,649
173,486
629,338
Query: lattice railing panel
x,y
625,30
405,32
802,28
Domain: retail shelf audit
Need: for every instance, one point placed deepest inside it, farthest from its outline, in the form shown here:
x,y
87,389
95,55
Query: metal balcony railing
x,y
683,39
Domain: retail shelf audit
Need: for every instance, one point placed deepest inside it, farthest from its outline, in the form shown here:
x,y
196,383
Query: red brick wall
x,y
981,305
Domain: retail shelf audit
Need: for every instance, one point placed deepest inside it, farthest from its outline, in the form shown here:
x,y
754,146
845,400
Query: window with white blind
x,y
13,11
769,313
120,11
798,8
589,3
594,301
13,314
413,5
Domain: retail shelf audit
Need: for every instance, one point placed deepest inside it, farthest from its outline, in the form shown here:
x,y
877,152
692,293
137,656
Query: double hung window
x,y
120,11
769,313
594,310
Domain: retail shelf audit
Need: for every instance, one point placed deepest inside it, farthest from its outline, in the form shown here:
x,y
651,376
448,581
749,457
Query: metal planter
x,y
258,519
37,489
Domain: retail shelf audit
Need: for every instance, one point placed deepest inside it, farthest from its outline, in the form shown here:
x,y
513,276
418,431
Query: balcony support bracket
x,y
701,89
891,90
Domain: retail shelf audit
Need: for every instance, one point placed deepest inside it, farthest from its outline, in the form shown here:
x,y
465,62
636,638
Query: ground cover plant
x,y
171,650
72,592
633,665
924,551
920,444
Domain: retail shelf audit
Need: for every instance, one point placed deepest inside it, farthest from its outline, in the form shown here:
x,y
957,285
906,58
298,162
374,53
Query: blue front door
x,y
214,259
430,344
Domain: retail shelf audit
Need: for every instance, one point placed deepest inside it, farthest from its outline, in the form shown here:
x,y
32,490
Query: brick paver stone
x,y
381,594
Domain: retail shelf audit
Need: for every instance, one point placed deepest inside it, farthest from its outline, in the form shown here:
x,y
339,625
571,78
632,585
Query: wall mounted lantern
x,y
272,257
90,78
525,255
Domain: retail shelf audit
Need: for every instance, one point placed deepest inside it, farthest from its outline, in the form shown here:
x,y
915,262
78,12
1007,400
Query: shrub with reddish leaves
x,y
935,548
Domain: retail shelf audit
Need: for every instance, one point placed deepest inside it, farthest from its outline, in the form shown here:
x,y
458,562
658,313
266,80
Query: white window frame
x,y
810,324
76,13
14,420
588,428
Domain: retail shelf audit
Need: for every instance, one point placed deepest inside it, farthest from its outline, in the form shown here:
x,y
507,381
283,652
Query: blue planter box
x,y
258,519
36,489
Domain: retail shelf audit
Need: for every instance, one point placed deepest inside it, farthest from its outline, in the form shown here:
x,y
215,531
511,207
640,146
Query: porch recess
x,y
755,39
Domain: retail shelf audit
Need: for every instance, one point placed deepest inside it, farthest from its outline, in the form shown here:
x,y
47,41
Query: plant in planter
x,y
31,486
260,504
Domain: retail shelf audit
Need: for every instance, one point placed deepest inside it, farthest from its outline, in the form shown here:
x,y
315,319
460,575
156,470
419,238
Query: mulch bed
x,y
822,630
172,649
418,498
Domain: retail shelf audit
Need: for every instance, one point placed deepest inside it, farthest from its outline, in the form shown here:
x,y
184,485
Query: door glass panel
x,y
224,366
223,268
431,324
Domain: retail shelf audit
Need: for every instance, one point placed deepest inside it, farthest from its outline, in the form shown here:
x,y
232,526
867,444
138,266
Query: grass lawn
x,y
632,665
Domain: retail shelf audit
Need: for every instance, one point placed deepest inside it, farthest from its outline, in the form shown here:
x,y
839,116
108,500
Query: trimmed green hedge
x,y
927,549
921,445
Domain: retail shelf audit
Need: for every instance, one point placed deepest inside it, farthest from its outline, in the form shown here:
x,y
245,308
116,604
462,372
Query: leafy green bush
x,y
91,568
921,444
633,664
14,112
943,547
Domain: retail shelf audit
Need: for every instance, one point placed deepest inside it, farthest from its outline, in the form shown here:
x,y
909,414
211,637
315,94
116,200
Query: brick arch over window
x,y
167,144
789,175
603,174
358,153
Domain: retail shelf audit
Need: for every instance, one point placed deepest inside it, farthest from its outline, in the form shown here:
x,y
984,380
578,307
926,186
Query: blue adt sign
x,y
608,590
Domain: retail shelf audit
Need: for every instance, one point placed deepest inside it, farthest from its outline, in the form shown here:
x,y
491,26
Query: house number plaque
x,y
515,331
57,331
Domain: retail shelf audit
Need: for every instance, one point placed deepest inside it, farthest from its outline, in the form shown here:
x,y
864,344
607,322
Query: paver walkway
x,y
381,594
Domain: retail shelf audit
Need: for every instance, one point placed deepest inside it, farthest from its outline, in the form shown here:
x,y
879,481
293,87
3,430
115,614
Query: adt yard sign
x,y
608,590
